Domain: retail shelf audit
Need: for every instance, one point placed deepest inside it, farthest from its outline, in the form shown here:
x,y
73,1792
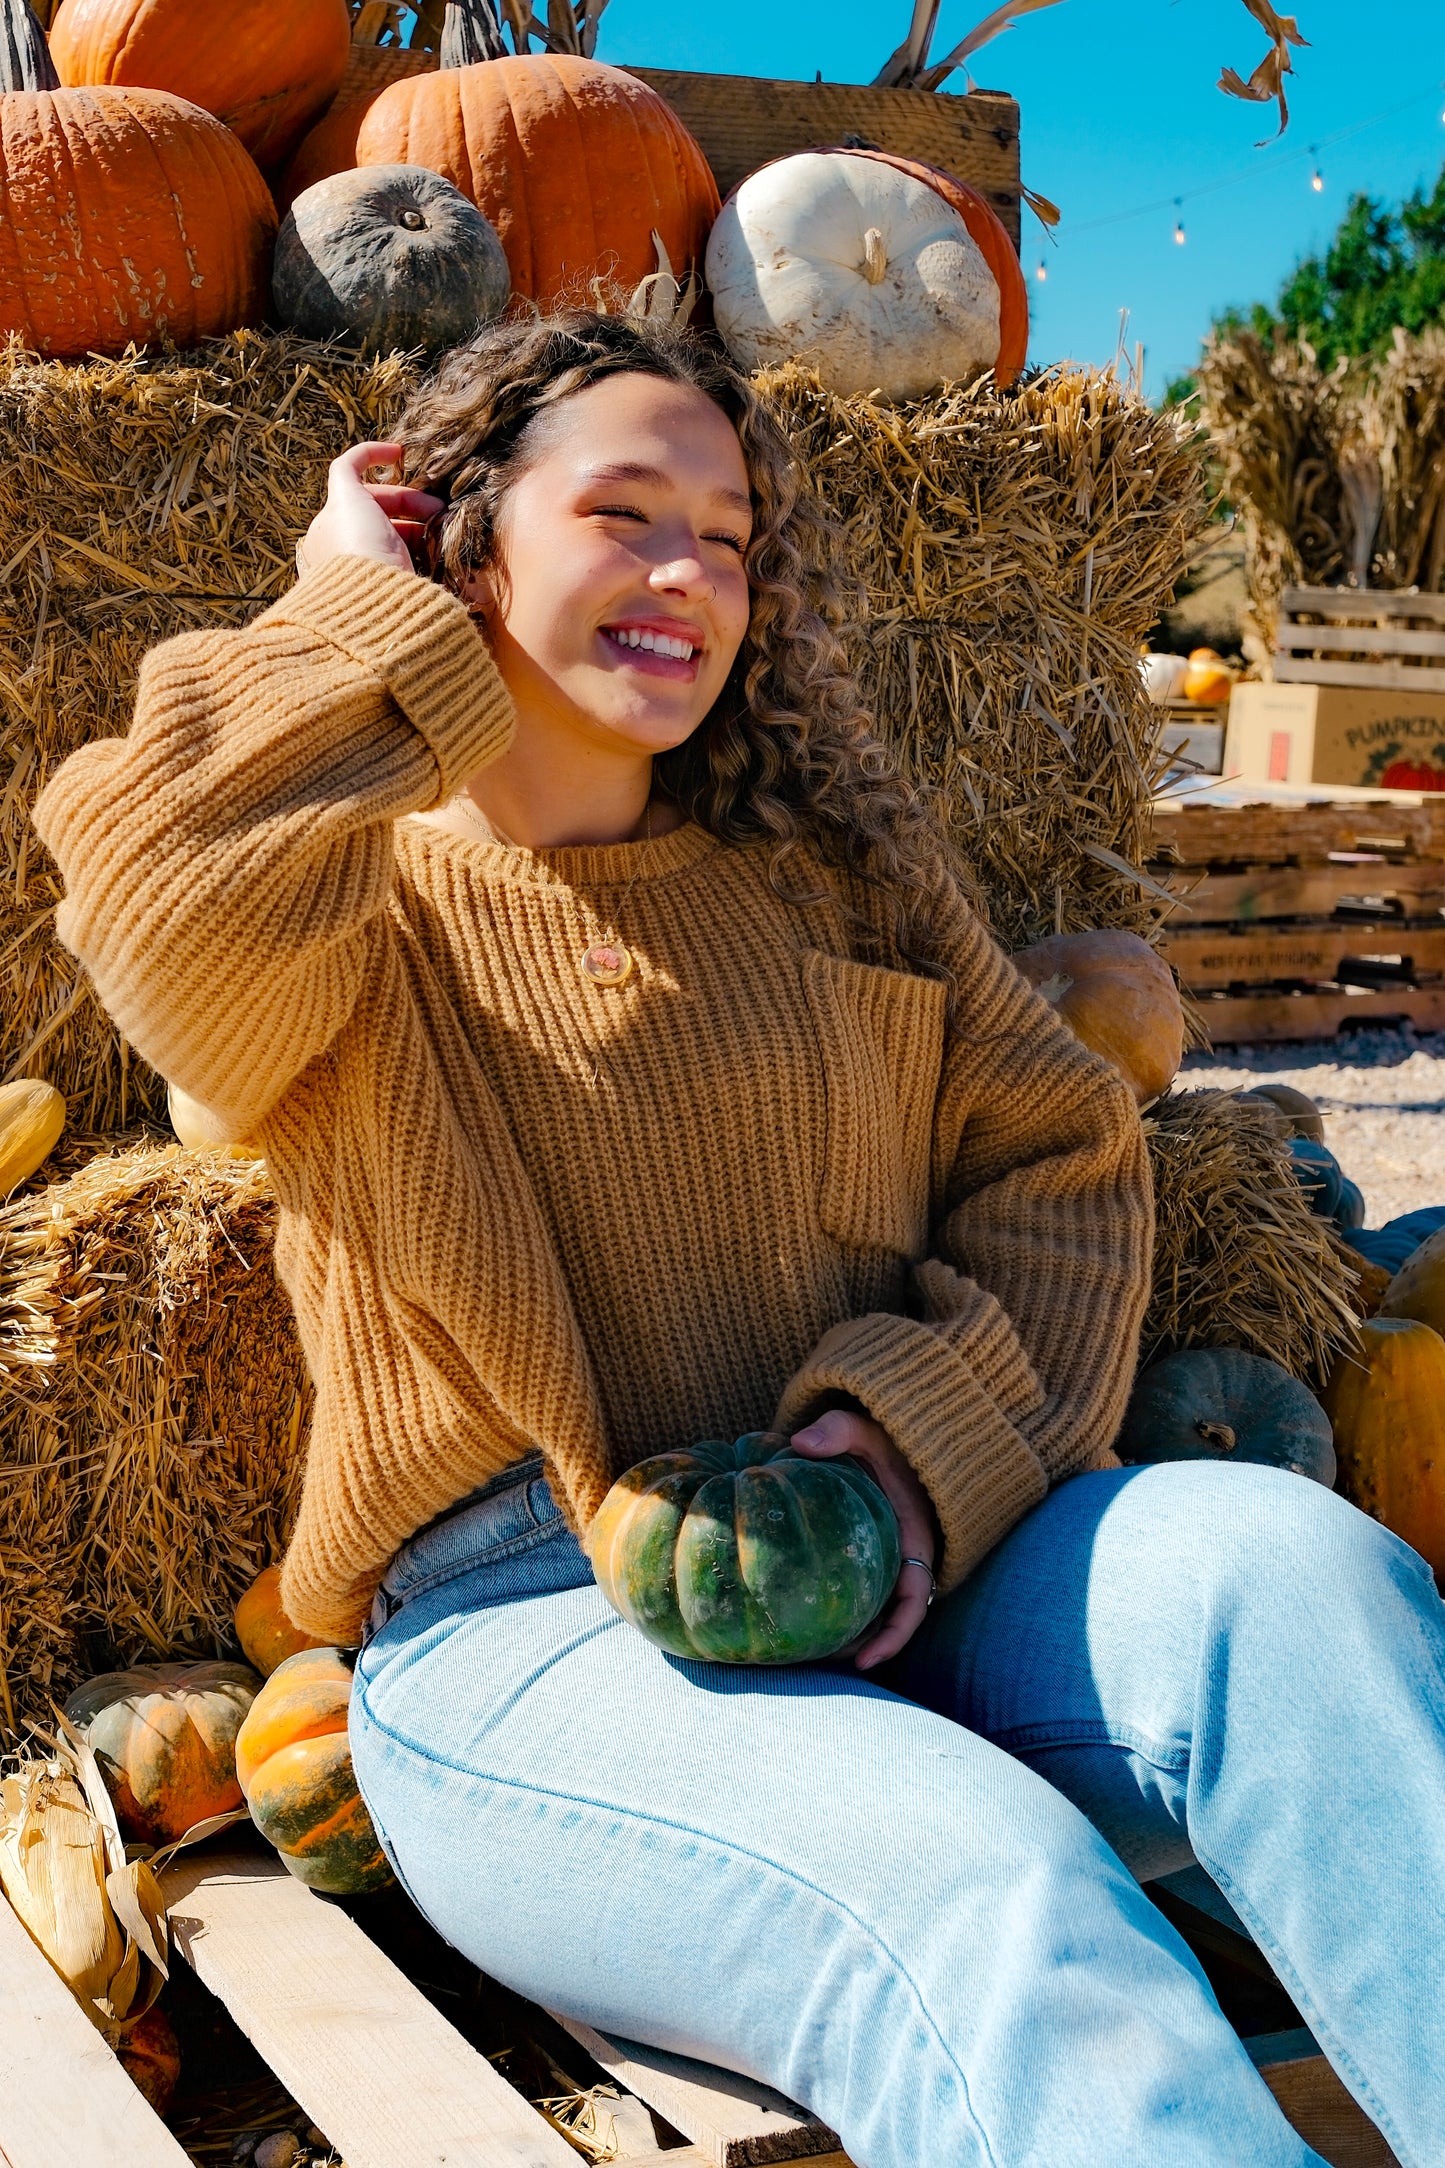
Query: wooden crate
x,y
742,121
394,2085
1299,921
1364,636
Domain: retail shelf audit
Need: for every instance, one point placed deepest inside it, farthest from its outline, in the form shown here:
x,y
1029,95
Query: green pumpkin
x,y
387,257
746,1553
1218,1403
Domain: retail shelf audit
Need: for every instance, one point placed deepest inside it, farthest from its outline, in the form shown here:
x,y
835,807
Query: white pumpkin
x,y
202,1131
856,269
1163,677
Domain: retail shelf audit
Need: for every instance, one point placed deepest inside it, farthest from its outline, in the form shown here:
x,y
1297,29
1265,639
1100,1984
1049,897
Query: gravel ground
x,y
1382,1094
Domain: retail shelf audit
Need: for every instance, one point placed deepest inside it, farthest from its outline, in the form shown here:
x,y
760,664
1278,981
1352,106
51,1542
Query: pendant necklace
x,y
605,962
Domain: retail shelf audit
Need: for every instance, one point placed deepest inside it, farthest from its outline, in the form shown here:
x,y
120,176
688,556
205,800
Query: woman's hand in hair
x,y
868,1442
365,519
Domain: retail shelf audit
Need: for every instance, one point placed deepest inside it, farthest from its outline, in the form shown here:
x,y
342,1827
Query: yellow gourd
x,y
1386,1400
32,1117
1209,677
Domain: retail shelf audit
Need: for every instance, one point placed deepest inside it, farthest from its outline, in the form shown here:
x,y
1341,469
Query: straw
x,y
1015,550
1239,1258
139,497
154,1399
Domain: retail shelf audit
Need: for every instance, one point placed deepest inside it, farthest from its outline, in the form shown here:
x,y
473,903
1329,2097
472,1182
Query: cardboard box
x,y
1336,734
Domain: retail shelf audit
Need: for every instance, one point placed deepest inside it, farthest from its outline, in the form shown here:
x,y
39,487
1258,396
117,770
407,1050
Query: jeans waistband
x,y
506,1539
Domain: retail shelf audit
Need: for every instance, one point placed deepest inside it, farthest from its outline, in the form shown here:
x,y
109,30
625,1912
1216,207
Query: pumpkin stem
x,y
875,256
471,32
25,62
1218,1434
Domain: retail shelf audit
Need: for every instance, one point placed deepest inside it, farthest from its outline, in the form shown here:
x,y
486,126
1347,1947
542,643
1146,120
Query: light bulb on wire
x,y
1317,179
1179,233
1043,271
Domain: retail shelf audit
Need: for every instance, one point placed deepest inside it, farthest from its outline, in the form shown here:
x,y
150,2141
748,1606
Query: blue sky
x,y
1119,110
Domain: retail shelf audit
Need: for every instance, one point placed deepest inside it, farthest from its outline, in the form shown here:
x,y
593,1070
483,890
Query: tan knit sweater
x,y
518,1210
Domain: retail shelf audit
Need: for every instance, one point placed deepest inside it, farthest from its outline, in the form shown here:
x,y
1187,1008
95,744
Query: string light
x,y
1179,233
1317,179
1043,271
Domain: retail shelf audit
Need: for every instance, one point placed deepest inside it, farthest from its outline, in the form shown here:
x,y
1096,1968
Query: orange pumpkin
x,y
266,1635
294,1764
1118,995
266,71
1418,1288
165,1738
150,2056
126,215
576,164
1208,678
330,144
1386,1400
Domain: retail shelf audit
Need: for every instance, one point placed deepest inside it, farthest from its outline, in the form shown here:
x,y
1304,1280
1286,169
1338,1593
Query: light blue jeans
x,y
917,1915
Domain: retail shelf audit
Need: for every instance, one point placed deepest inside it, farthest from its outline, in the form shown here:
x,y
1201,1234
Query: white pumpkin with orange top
x,y
877,272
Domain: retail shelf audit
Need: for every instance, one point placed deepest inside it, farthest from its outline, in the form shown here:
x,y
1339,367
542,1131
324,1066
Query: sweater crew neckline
x,y
576,865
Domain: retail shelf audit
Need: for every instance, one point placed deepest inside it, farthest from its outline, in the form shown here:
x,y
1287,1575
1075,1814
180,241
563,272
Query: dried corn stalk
x,y
98,1917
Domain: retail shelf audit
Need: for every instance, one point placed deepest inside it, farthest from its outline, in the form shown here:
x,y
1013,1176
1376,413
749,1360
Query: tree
x,y
1384,267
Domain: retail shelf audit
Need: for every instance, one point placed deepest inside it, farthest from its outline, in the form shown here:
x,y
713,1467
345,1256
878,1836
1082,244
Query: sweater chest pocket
x,y
880,1033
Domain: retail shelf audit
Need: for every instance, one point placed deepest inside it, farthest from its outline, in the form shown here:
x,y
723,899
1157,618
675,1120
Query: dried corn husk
x,y
98,1917
32,1117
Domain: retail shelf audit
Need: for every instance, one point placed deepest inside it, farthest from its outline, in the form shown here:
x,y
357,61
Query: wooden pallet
x,y
393,2085
1301,920
1363,636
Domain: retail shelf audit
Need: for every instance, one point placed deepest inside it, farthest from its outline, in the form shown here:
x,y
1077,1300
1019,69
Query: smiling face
x,y
620,598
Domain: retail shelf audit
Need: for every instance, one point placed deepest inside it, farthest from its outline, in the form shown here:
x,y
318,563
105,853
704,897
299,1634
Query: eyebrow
x,y
631,470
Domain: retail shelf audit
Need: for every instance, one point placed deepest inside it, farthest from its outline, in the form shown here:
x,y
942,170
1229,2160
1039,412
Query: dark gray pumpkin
x,y
1217,1403
387,257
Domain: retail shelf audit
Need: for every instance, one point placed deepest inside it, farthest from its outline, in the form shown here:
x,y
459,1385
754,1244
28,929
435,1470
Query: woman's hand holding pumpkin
x,y
364,519
869,1444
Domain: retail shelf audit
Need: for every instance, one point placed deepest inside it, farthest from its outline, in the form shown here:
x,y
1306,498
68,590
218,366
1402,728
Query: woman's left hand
x,y
868,1442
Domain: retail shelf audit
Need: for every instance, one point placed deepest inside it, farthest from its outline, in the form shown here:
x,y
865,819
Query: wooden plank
x,y
1277,835
391,2083
1389,677
1363,601
1207,957
1317,2103
737,2121
1265,1019
742,121
1354,639
1414,889
63,2096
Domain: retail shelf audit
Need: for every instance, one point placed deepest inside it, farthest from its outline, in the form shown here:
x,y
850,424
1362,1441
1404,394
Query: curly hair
x,y
787,754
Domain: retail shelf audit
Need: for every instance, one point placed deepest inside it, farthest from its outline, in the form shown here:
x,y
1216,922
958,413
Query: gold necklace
x,y
606,962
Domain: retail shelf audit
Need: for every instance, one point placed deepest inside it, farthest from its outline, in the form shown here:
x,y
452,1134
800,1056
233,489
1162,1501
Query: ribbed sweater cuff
x,y
979,1472
419,641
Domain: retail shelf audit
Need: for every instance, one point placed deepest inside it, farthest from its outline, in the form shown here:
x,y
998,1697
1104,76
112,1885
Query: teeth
x,y
656,643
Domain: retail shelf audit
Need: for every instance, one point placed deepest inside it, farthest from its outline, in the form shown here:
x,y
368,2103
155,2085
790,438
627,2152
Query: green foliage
x,y
1383,268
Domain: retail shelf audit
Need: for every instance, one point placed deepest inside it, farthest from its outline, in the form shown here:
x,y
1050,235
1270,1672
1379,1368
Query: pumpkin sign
x,y
580,167
746,1553
127,215
878,273
1116,994
267,72
387,258
165,1738
293,1760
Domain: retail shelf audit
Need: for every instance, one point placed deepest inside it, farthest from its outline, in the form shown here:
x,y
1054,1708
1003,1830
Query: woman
x,y
630,1071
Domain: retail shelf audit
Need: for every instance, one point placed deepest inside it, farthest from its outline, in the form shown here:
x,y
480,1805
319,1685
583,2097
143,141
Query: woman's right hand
x,y
359,517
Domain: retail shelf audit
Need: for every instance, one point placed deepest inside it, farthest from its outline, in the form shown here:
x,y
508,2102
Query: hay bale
x,y
1239,1258
154,1396
138,498
1014,551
